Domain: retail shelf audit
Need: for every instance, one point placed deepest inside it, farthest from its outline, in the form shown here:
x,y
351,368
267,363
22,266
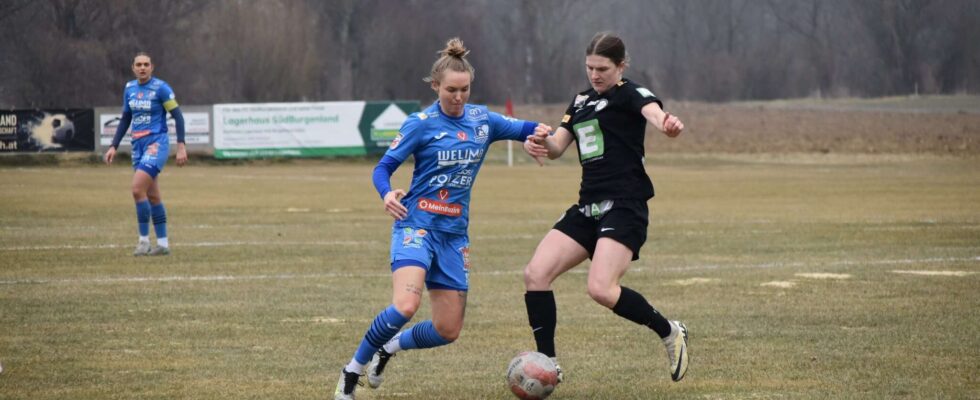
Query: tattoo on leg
x,y
411,288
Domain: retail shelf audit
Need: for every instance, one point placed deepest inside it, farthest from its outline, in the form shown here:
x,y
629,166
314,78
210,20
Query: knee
x,y
449,332
536,277
154,198
408,306
602,294
138,193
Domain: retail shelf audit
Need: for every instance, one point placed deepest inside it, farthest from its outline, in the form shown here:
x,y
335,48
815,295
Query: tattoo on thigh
x,y
411,288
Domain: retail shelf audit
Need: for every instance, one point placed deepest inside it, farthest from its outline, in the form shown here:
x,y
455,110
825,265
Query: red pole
x,y
510,108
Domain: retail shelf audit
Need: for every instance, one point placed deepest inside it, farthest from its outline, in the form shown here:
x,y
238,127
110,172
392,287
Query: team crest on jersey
x,y
461,136
394,143
443,194
139,95
580,100
482,133
602,103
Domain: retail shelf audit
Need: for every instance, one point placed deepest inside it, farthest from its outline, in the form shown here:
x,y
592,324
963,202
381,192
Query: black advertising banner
x,y
47,130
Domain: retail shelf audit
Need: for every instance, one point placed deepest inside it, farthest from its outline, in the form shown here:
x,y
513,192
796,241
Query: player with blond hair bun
x,y
430,248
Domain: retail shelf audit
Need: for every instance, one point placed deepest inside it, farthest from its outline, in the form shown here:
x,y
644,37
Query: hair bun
x,y
455,48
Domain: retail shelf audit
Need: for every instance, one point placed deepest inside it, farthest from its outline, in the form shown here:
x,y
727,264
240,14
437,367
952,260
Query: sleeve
x,y
507,128
382,175
167,96
407,140
566,120
639,96
127,117
179,123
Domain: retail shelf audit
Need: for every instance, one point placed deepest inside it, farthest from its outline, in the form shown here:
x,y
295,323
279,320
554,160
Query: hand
x,y
181,154
393,205
109,155
535,144
672,125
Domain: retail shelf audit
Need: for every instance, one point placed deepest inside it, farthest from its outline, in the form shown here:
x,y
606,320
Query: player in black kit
x,y
609,223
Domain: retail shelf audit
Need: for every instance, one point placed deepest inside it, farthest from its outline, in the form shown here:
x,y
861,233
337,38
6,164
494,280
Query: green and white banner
x,y
349,128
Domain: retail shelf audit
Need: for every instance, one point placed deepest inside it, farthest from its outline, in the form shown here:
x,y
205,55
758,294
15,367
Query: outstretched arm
x,y
669,124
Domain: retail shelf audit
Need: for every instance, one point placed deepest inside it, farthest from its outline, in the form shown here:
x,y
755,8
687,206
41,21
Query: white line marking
x,y
823,275
198,244
935,273
384,273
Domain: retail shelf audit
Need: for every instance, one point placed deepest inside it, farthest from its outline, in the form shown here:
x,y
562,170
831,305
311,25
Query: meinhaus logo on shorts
x,y
438,207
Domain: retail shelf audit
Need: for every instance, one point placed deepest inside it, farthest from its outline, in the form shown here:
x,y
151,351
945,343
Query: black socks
x,y
634,307
543,315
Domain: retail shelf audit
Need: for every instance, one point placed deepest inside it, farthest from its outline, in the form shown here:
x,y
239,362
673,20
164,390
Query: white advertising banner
x,y
288,129
196,128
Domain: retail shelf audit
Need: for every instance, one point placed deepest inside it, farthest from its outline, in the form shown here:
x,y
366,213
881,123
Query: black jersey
x,y
609,130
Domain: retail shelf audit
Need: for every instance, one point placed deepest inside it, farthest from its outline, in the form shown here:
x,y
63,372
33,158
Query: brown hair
x,y
608,45
145,54
453,57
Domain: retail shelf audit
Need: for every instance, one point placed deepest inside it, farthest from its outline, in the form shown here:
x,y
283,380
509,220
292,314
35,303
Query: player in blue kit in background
x,y
146,102
429,242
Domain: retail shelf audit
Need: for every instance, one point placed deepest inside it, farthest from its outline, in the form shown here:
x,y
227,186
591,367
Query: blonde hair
x,y
453,57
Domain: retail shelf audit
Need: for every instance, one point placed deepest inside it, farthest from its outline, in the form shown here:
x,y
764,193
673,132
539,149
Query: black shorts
x,y
624,221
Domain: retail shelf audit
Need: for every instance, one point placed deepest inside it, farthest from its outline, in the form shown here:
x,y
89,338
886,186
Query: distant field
x,y
802,276
946,125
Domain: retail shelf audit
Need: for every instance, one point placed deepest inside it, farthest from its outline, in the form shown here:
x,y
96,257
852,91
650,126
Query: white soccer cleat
x,y
561,376
346,385
142,248
676,345
377,367
159,251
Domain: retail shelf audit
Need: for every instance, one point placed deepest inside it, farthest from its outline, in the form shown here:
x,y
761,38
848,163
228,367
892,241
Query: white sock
x,y
144,239
163,242
354,366
394,345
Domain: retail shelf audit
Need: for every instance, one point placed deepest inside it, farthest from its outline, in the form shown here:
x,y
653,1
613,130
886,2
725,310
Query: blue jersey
x,y
448,154
148,103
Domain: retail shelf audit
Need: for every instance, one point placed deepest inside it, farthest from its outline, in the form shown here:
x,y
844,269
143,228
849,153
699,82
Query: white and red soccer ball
x,y
532,376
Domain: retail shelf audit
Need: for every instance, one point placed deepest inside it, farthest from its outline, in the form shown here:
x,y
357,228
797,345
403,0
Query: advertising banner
x,y
349,128
197,127
47,130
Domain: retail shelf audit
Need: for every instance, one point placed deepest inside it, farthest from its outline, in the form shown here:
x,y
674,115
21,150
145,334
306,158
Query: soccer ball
x,y
532,376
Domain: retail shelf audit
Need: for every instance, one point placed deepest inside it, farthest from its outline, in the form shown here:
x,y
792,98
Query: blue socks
x,y
384,327
159,214
143,217
422,335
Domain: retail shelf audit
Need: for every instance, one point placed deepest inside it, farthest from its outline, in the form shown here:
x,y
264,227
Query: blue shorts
x,y
150,153
445,256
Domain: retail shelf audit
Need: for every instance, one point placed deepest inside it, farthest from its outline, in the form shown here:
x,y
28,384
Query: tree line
x,y
77,53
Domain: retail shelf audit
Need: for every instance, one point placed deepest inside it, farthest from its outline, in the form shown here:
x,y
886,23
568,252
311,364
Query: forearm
x,y
179,122
121,129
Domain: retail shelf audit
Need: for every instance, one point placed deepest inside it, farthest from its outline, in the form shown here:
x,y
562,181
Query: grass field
x,y
799,276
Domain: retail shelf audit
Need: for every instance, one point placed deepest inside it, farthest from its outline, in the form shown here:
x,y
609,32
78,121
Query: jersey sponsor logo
x,y
590,140
597,210
138,104
644,92
141,133
461,180
142,119
461,136
476,114
459,157
482,133
439,207
396,141
580,99
601,104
